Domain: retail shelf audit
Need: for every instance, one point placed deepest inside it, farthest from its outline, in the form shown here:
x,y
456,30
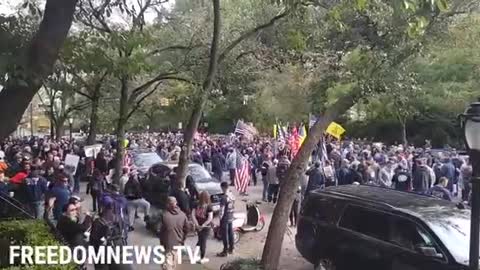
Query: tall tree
x,y
375,32
215,60
36,64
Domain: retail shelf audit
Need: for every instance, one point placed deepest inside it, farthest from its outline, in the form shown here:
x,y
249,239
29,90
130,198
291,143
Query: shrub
x,y
243,264
27,233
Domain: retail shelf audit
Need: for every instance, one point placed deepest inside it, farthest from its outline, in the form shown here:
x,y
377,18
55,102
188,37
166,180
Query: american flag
x,y
242,177
245,129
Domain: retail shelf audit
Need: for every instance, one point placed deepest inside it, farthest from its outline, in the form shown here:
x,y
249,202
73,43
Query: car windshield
x,y
147,159
454,232
199,174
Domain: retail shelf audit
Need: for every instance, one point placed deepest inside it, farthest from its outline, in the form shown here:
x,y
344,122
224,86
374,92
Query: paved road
x,y
250,246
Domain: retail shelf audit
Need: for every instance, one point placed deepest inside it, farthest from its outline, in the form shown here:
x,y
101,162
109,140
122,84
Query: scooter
x,y
252,221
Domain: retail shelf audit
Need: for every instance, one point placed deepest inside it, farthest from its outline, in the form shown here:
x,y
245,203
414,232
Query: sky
x,y
6,6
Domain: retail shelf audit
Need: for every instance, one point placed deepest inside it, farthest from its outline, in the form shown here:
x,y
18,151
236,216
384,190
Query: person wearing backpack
x,y
107,231
120,207
134,195
96,187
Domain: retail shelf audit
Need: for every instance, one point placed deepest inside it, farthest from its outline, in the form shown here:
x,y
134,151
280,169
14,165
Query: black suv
x,y
366,227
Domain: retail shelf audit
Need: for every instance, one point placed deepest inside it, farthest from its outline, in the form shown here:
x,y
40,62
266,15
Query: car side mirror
x,y
429,251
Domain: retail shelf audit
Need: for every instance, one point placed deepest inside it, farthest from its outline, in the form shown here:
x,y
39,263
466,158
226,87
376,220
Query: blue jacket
x,y
62,194
36,189
4,189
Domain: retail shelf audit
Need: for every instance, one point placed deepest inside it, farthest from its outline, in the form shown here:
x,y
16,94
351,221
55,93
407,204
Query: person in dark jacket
x,y
422,180
70,227
448,170
182,199
36,187
227,208
218,164
440,190
96,187
315,178
173,231
282,167
134,195
4,188
101,163
402,179
343,174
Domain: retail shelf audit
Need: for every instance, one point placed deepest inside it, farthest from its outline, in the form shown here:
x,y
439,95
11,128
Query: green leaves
x,y
361,4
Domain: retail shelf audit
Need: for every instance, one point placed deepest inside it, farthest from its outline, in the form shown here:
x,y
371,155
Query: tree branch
x,y
250,33
139,102
174,47
77,107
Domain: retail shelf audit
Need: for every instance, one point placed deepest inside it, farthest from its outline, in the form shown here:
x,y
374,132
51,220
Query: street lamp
x,y
470,122
70,121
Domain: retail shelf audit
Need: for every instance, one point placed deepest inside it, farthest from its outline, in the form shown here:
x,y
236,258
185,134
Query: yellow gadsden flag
x,y
335,130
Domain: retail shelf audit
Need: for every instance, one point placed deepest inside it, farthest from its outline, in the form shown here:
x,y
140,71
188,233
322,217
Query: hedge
x,y
27,233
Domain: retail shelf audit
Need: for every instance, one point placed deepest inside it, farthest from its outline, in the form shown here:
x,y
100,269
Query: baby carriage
x,y
252,221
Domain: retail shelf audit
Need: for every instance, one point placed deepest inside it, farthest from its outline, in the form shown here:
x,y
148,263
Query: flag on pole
x,y
335,130
245,129
324,154
311,121
242,177
302,135
293,141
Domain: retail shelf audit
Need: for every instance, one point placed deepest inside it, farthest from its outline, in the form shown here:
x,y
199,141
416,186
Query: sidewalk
x,y
250,245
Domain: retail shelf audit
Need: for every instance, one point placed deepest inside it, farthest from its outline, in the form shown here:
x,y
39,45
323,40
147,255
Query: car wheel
x,y
326,264
236,237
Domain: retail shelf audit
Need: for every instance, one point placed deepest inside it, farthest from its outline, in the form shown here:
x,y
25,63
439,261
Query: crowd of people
x,y
33,172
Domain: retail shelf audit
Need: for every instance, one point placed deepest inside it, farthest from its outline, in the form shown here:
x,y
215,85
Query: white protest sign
x,y
92,150
71,163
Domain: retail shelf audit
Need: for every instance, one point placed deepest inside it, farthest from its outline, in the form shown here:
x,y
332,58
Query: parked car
x,y
143,161
202,181
366,227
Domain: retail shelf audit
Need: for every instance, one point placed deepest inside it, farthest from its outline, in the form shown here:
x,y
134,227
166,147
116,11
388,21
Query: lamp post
x,y
470,122
70,121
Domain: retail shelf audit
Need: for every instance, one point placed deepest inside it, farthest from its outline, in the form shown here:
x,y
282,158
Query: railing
x,y
11,208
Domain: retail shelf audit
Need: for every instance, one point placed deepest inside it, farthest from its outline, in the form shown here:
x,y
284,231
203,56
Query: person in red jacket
x,y
20,177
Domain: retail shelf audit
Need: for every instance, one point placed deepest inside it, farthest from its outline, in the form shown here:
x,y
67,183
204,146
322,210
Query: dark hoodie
x,y
421,179
174,228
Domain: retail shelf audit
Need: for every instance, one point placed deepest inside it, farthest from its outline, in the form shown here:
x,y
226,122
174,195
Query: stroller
x,y
252,221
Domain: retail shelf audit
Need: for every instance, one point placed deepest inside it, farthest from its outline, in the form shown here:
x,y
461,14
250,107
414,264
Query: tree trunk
x,y
403,125
53,123
192,125
188,135
122,121
288,187
39,59
92,131
60,128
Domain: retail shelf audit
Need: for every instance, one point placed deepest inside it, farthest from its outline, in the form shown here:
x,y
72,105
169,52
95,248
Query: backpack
x,y
109,231
95,185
